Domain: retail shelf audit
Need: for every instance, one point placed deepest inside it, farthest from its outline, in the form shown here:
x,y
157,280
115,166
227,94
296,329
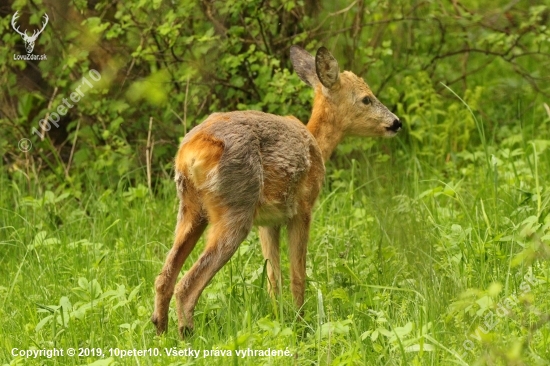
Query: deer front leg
x,y
269,238
298,235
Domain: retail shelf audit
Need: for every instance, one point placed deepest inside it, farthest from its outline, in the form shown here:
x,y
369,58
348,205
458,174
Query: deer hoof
x,y
160,323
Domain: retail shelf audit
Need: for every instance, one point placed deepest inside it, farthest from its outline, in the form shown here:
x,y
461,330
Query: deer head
x,y
29,40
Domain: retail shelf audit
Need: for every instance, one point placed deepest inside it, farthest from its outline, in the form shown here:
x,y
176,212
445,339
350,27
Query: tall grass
x,y
408,257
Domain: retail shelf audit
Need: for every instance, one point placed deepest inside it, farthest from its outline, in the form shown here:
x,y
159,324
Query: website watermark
x,y
30,57
29,40
52,118
119,353
504,307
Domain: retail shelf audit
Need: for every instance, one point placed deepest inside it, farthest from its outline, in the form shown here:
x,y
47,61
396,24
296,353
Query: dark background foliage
x,y
173,63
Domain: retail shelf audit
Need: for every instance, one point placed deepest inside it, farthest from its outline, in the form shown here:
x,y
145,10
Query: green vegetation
x,y
432,248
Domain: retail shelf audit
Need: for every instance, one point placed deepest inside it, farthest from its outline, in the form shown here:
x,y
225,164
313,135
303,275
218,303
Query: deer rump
x,y
255,163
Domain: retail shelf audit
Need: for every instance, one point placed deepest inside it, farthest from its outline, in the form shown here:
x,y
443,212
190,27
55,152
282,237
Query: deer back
x,y
253,162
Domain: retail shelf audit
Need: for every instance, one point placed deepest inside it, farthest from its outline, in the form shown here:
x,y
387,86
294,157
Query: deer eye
x,y
366,100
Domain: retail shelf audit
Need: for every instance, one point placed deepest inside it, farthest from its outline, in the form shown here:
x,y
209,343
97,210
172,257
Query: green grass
x,y
410,254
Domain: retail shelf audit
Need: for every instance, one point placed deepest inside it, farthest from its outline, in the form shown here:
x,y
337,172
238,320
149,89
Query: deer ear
x,y
304,65
327,68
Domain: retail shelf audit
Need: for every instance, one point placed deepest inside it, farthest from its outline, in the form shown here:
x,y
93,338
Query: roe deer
x,y
239,169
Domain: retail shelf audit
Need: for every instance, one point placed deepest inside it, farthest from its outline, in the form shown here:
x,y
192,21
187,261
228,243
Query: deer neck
x,y
324,125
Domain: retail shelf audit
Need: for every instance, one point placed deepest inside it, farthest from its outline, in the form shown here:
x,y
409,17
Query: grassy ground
x,y
413,260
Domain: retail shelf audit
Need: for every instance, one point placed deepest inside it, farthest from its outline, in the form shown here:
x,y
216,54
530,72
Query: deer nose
x,y
396,125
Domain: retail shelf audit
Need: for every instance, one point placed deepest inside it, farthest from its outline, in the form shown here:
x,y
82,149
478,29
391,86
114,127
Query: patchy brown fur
x,y
240,169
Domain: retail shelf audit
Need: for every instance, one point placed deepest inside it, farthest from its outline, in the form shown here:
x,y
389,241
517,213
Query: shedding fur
x,y
245,168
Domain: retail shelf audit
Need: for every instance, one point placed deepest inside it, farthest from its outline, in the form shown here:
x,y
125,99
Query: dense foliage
x,y
175,64
431,248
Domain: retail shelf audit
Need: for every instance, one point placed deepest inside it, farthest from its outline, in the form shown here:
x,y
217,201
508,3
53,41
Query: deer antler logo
x,y
29,40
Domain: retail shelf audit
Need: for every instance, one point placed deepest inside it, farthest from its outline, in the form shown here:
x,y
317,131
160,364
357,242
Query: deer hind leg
x,y
225,235
190,226
269,237
298,235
